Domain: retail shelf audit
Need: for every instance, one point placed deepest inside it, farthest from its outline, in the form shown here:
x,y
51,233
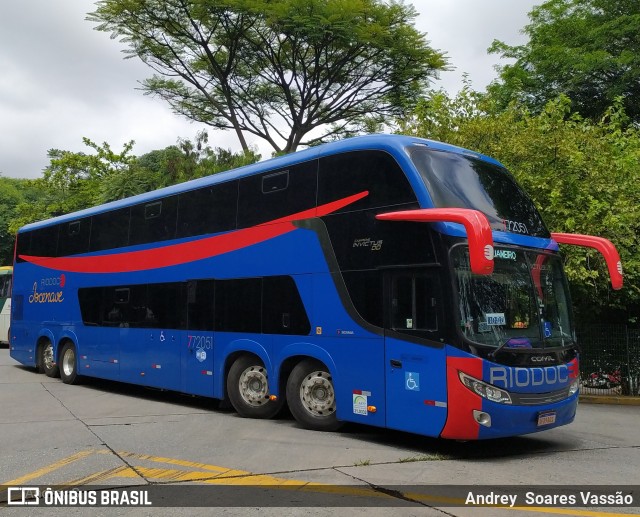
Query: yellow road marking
x,y
173,461
97,477
50,468
213,474
568,511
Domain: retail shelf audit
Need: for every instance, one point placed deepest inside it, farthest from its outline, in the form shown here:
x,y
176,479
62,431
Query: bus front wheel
x,y
311,396
68,364
248,389
46,360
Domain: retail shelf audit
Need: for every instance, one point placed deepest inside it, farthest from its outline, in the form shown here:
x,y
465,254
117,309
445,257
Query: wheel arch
x,y
298,352
66,337
45,335
232,352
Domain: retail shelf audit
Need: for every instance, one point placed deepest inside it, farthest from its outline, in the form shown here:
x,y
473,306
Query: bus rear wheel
x,y
311,396
248,389
68,364
46,360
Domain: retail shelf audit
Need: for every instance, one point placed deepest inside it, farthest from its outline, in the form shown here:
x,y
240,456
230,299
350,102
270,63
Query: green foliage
x,y
588,50
584,176
12,193
277,69
73,181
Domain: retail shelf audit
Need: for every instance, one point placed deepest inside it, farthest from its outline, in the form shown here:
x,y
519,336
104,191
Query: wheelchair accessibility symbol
x,y
412,381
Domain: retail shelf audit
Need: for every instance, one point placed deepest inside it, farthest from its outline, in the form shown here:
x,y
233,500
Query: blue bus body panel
x,y
379,380
416,387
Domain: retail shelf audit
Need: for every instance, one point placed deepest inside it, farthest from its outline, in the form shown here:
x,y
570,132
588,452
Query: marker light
x,y
486,391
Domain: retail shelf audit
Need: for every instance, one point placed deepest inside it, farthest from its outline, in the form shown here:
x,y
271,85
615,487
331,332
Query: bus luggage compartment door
x,y
416,387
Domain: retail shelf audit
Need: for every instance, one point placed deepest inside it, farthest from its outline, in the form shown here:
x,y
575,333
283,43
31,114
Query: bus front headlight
x,y
486,391
574,387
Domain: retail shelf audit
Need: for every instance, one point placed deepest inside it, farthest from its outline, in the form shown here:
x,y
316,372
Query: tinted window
x,y
208,210
110,230
200,296
91,301
275,181
282,308
22,245
238,305
360,241
460,181
277,194
153,306
163,306
365,289
74,237
153,222
351,173
5,286
126,307
44,242
415,300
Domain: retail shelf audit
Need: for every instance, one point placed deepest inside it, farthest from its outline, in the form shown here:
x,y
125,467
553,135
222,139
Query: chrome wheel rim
x,y
69,362
47,356
317,394
254,386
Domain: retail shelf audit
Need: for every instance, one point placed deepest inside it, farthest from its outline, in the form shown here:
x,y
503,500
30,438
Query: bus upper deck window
x,y
153,210
275,182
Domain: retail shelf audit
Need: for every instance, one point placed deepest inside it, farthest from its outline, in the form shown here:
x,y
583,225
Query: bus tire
x,y
46,360
311,396
68,364
248,389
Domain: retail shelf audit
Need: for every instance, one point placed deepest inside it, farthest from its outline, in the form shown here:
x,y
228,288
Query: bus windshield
x,y
461,181
523,304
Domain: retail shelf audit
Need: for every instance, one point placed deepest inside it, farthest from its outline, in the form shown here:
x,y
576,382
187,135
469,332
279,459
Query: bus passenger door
x,y
415,359
198,341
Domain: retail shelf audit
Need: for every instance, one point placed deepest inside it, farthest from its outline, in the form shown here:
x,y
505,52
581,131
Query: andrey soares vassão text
x,y
580,498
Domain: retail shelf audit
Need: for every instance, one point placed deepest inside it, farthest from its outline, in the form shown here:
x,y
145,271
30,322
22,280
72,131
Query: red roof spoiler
x,y
475,223
604,246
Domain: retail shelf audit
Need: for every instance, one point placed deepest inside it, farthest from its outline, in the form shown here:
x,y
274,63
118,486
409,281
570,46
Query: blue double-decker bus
x,y
384,280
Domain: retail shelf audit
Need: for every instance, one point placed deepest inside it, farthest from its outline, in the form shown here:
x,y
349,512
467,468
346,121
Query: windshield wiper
x,y
508,341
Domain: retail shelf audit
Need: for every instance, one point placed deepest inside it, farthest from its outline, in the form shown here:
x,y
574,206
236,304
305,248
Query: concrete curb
x,y
610,399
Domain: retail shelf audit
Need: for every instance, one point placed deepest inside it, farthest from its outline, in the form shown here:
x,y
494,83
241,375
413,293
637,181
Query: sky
x,y
61,80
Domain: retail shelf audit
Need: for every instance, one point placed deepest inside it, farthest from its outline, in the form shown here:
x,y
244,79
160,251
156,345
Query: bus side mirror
x,y
604,246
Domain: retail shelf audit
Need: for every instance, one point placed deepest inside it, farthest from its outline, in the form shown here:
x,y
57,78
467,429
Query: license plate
x,y
546,418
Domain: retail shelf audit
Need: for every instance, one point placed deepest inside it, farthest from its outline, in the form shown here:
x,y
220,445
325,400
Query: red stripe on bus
x,y
460,423
186,252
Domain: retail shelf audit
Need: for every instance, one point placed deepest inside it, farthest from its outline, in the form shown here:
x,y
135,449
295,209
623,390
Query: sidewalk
x,y
610,399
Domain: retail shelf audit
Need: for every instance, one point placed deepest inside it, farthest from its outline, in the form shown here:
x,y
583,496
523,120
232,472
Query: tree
x,y
281,70
74,181
584,177
588,50
12,193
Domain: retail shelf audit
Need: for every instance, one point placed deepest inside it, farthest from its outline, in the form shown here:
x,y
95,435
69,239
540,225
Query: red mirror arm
x,y
604,246
475,223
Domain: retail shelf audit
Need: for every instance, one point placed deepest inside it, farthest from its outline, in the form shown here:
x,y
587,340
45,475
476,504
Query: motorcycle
x,y
602,380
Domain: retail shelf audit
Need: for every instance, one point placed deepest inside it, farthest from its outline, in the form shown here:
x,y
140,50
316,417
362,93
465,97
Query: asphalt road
x,y
111,434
